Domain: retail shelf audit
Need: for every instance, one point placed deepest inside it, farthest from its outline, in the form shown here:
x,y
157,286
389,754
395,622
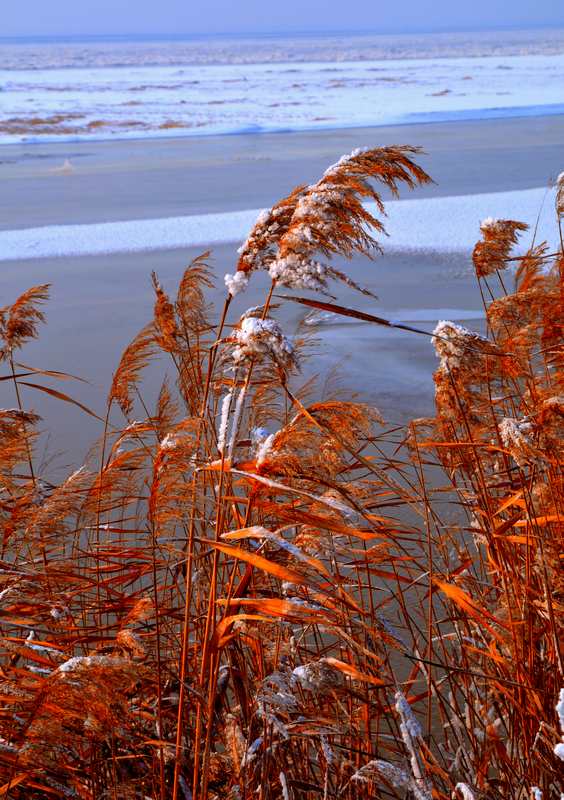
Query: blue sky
x,y
92,17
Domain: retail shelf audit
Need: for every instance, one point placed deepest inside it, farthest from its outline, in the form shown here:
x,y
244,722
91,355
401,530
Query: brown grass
x,y
247,594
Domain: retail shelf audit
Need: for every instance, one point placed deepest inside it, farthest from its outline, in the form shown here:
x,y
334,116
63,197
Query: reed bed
x,y
258,590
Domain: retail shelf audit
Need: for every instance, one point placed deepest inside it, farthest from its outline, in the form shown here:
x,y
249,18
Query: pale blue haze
x,y
188,17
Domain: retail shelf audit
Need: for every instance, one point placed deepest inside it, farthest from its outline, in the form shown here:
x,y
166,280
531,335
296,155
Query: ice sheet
x,y
438,224
149,97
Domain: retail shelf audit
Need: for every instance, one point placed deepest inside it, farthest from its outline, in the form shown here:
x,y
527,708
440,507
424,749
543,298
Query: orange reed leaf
x,y
466,604
51,373
13,783
370,557
260,562
258,532
276,607
294,515
540,521
392,576
515,499
30,655
290,489
344,311
489,448
221,634
10,699
61,396
530,540
354,672
505,525
486,654
219,465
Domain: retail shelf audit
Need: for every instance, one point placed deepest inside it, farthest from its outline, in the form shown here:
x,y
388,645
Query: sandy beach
x,y
99,302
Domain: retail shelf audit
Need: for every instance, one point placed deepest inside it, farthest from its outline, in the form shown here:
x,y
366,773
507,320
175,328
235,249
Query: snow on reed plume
x,y
325,218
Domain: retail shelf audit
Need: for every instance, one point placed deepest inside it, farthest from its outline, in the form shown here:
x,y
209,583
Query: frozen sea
x,y
434,225
101,89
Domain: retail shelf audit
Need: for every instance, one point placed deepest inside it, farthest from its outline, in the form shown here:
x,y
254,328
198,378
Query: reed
x,y
249,593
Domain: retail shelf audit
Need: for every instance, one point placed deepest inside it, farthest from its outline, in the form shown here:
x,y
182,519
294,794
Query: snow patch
x,y
436,224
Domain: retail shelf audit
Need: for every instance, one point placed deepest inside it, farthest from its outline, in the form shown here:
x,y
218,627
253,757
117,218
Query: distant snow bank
x,y
437,224
86,97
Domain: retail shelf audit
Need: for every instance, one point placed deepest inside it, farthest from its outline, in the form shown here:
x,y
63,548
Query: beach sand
x,y
98,303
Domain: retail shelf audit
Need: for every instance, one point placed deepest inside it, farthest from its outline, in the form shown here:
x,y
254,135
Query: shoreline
x,y
418,118
160,178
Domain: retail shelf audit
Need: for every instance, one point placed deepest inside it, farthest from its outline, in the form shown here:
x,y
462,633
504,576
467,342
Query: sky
x,y
103,17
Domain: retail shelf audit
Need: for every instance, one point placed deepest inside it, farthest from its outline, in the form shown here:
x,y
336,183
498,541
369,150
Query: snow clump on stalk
x,y
515,435
236,283
256,338
457,346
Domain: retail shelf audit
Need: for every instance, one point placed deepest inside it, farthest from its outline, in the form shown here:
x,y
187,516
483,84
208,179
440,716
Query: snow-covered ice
x,y
437,224
101,100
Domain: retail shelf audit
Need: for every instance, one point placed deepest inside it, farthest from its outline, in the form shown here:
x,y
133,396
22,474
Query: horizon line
x,y
279,34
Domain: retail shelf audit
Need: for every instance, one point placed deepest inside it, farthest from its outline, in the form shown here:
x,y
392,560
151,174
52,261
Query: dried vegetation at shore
x,y
255,590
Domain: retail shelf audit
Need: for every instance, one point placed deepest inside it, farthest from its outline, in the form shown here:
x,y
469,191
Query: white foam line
x,y
438,224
